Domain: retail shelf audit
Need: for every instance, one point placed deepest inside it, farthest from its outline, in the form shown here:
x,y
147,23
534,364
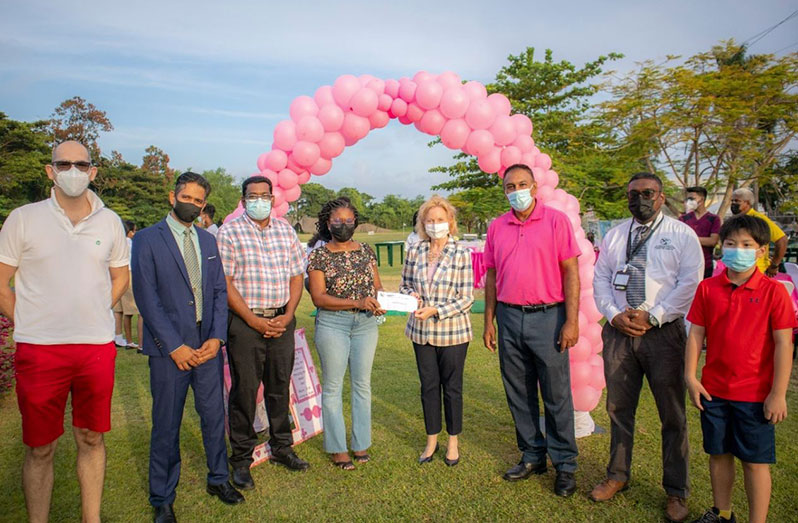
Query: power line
x,y
762,34
785,48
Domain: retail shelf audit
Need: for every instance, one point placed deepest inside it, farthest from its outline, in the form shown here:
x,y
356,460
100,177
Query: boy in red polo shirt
x,y
747,320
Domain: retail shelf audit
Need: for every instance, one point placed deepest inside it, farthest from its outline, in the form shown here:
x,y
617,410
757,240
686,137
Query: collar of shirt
x,y
752,283
255,226
537,214
178,229
650,225
96,204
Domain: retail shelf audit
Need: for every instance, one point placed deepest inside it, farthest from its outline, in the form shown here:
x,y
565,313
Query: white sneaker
x,y
120,340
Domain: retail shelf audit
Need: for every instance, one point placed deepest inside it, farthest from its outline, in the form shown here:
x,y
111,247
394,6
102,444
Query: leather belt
x,y
268,313
541,307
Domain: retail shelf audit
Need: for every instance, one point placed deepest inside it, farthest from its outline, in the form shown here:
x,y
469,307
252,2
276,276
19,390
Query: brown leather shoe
x,y
605,490
676,509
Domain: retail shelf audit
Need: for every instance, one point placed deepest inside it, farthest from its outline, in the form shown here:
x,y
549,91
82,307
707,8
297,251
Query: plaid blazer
x,y
451,291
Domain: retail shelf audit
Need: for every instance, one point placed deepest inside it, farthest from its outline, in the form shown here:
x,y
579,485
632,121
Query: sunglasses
x,y
63,165
341,222
646,194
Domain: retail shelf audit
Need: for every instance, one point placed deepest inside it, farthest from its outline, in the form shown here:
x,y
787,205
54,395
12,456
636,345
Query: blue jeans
x,y
346,338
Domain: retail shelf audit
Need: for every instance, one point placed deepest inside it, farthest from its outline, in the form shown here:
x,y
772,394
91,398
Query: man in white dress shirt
x,y
646,275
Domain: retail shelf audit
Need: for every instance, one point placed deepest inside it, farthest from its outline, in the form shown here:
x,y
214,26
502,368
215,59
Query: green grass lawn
x,y
392,486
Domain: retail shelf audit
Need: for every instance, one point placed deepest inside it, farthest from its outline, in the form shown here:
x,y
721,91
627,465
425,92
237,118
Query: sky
x,y
207,81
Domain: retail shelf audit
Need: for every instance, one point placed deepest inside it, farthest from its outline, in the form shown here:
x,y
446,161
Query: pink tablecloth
x,y
478,266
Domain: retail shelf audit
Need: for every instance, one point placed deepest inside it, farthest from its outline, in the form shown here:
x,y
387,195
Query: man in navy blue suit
x,y
180,289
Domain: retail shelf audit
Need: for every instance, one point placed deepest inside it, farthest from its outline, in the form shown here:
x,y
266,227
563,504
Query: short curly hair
x,y
443,203
322,229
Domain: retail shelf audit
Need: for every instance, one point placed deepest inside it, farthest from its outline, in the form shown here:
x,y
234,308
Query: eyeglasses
x,y
647,194
336,221
63,165
256,197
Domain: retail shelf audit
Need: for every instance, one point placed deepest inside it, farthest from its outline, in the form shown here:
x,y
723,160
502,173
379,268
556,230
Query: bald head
x,y
71,151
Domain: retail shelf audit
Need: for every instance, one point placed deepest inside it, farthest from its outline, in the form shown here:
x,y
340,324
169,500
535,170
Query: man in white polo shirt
x,y
68,258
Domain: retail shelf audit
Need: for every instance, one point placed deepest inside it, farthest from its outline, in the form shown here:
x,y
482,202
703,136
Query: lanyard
x,y
631,252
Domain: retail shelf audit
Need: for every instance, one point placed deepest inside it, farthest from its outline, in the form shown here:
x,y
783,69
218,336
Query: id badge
x,y
621,279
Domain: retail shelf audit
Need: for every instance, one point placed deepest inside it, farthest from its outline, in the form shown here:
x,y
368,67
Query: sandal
x,y
344,465
362,458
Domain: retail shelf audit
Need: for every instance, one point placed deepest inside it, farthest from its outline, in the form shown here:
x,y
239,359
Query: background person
x,y
705,224
439,274
743,202
413,238
206,219
125,309
344,282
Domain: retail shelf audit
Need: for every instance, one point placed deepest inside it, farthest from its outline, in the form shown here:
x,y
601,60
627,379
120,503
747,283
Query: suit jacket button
x,y
191,303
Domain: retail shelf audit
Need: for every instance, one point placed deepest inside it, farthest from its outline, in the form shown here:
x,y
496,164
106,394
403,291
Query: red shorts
x,y
45,376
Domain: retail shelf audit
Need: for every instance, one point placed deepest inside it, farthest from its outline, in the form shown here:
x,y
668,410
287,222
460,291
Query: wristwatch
x,y
653,320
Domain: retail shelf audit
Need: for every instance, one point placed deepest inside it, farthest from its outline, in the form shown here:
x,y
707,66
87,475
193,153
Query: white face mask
x,y
73,182
437,231
690,205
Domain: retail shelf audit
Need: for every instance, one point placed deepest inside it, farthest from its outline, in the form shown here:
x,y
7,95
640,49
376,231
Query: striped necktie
x,y
193,269
636,288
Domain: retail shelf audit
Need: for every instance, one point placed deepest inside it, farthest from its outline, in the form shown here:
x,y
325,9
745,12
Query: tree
x,y
133,193
24,151
779,186
477,206
156,162
76,119
720,119
313,196
225,192
557,98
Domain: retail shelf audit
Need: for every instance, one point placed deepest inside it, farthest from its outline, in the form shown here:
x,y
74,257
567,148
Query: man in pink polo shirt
x,y
532,289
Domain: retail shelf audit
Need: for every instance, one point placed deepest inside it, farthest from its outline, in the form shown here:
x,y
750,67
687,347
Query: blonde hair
x,y
443,203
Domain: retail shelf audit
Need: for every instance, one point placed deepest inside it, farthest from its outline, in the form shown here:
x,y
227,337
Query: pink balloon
x,y
490,162
455,133
572,205
331,145
364,102
287,178
586,398
404,120
384,102
543,161
597,379
580,374
262,161
392,88
285,135
479,114
414,112
407,90
523,125
580,351
503,130
596,360
479,142
593,333
364,79
432,122
322,166
377,85
355,127
303,106
280,210
448,79
304,176
500,104
586,269
475,90
279,197
379,119
276,160
554,178
324,96
560,195
305,153
524,142
544,193
292,193
428,94
540,176
344,88
554,203
511,155
423,76
271,175
309,129
399,107
588,306
331,117
454,102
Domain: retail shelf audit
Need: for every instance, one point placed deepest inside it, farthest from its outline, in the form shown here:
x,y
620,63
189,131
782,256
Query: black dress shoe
x,y
565,484
165,514
523,470
243,479
451,462
422,460
290,461
226,493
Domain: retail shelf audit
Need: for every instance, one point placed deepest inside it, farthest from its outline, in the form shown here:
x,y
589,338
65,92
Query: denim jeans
x,y
346,338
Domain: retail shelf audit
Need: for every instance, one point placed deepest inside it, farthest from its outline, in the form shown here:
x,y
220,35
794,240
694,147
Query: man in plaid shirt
x,y
263,263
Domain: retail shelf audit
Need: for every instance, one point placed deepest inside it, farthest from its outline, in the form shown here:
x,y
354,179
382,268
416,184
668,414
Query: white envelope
x,y
394,301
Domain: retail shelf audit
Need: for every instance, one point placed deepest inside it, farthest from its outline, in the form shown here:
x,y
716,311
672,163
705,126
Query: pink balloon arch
x,y
465,118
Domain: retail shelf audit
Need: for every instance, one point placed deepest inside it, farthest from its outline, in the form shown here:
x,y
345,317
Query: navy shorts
x,y
738,428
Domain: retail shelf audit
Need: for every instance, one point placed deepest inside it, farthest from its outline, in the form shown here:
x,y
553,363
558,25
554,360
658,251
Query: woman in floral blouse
x,y
343,282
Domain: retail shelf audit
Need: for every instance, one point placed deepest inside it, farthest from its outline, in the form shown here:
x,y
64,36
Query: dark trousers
x,y
441,369
254,359
169,386
659,356
529,355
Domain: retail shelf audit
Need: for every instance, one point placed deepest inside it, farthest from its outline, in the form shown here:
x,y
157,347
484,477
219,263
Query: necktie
x,y
636,288
193,269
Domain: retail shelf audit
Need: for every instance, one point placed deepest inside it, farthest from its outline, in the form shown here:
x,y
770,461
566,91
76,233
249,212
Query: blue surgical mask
x,y
520,200
738,260
259,209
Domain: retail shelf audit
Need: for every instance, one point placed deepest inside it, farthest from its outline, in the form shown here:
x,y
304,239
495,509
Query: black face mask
x,y
186,212
342,232
735,208
642,209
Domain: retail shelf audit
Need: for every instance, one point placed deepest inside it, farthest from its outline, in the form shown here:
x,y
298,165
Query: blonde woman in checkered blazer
x,y
438,273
